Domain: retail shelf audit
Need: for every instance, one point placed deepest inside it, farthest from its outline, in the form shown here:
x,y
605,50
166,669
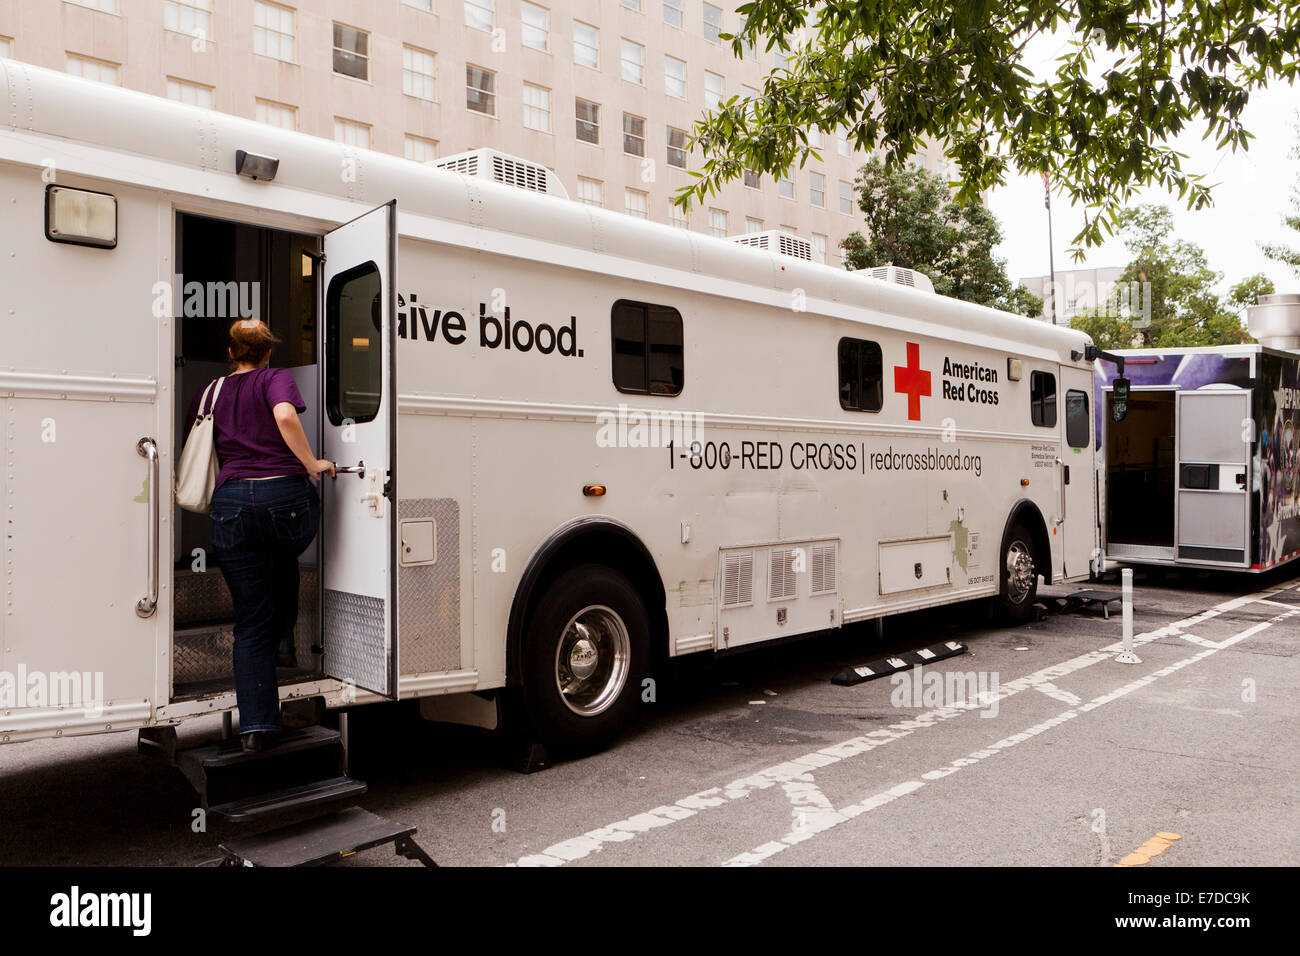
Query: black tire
x,y
1015,601
587,603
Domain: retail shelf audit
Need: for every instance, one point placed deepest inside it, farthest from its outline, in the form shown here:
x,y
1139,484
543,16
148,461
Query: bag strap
x,y
214,389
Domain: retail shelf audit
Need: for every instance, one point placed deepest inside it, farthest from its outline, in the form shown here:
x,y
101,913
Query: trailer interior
x,y
1141,473
273,272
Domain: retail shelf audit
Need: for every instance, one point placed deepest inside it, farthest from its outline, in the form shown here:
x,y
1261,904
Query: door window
x,y
354,345
1076,418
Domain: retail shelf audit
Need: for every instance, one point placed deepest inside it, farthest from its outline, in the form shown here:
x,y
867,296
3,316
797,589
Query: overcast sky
x,y
1252,191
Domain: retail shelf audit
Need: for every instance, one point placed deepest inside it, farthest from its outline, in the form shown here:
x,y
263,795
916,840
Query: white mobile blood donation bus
x,y
578,442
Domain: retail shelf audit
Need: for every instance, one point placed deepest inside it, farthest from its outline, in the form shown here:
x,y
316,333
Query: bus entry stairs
x,y
302,771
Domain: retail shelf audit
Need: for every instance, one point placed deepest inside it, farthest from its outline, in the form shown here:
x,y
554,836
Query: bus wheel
x,y
1015,601
587,653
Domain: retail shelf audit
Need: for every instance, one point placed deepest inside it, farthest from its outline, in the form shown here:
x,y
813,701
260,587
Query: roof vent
x,y
900,276
1275,321
777,241
504,168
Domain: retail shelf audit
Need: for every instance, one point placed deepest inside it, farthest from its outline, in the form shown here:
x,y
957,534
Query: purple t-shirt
x,y
247,438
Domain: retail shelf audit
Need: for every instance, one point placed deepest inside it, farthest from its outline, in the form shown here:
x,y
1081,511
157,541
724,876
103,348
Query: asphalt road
x,y
1068,758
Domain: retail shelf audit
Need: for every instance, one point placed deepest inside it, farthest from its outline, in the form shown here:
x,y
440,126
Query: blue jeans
x,y
259,527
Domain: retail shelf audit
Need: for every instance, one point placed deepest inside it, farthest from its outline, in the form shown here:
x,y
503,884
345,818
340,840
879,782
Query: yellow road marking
x,y
1153,847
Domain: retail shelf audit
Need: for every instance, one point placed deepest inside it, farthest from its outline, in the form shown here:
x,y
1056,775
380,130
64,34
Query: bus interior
x,y
226,271
1141,469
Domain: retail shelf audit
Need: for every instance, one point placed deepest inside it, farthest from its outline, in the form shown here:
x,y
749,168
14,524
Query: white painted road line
x,y
768,850
623,830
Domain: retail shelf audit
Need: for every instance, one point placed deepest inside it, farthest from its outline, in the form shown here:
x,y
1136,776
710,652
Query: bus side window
x,y
647,356
1076,419
1042,399
861,375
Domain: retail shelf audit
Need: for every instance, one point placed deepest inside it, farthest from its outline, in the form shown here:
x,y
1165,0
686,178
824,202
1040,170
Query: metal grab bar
x,y
1061,474
145,607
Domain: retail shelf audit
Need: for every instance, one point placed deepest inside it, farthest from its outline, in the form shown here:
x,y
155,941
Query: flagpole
x,y
1051,252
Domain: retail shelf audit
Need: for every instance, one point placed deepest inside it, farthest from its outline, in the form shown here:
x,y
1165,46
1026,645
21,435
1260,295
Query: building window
x,y
846,198
1077,420
6,47
635,203
419,73
632,4
718,223
1042,399
785,187
675,77
537,108
108,6
425,5
780,59
673,13
861,376
351,52
648,358
586,45
536,28
588,117
591,191
815,138
192,93
712,89
273,30
633,135
817,189
351,133
276,114
752,179
677,216
712,23
421,150
480,90
677,147
842,143
101,71
819,248
753,225
479,14
634,62
193,17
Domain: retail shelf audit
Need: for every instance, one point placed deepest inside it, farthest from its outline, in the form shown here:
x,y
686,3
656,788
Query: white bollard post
x,y
1126,656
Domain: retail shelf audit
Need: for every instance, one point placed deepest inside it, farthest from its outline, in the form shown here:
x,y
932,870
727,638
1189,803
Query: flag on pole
x,y
1047,192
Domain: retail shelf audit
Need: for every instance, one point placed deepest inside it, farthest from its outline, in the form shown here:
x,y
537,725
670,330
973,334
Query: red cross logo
x,y
913,381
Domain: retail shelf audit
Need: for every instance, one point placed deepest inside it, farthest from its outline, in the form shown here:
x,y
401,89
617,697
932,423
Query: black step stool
x,y
323,840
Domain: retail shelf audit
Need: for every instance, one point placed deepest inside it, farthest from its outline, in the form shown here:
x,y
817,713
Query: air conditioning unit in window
x,y
900,276
503,168
777,241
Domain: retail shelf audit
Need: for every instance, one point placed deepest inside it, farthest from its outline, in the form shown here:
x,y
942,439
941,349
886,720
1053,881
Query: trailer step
x,y
224,773
290,799
324,839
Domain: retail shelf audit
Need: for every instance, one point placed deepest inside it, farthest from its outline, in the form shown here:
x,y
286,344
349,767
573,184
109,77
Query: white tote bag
x,y
196,477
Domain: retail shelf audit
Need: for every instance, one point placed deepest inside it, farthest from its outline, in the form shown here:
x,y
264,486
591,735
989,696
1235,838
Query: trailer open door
x,y
359,399
1213,453
1077,474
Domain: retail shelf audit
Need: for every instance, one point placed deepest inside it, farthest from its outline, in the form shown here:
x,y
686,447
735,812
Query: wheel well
x,y
588,541
1026,512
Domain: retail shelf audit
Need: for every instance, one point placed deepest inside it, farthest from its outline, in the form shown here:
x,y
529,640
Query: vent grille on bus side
x,y
782,581
823,560
467,165
782,242
738,579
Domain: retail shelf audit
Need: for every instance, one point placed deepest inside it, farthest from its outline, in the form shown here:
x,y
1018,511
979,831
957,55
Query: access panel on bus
x,y
359,400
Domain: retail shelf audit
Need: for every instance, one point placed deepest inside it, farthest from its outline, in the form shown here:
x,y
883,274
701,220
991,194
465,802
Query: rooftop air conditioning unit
x,y
776,241
1275,320
504,168
901,276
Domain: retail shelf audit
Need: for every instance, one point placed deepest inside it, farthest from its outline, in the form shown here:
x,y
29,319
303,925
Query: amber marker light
x,y
1024,482
593,491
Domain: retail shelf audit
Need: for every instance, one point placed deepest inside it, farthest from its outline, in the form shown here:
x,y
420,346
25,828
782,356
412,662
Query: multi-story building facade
x,y
604,92
1076,290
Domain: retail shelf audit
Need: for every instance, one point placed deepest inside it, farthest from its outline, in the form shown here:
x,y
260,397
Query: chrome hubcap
x,y
592,660
1020,572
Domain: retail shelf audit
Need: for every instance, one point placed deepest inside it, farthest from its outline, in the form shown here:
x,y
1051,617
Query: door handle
x,y
359,469
1065,481
147,448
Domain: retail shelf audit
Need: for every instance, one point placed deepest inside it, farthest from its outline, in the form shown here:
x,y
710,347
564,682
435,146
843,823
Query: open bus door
x,y
1213,453
1078,474
359,431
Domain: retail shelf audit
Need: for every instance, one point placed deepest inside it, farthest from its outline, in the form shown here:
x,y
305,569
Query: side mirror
x,y
1119,399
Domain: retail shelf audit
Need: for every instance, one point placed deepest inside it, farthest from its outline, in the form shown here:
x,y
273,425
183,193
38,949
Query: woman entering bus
x,y
264,512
